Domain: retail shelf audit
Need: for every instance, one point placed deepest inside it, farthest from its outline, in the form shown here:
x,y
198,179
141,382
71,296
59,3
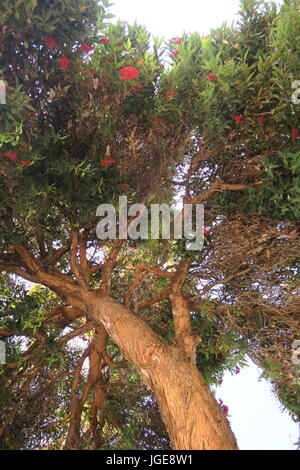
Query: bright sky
x,y
171,18
255,414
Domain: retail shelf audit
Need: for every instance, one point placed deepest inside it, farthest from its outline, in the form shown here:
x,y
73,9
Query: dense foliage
x,y
97,109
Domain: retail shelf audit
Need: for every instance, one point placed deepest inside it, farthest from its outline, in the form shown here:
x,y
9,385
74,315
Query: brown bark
x,y
191,414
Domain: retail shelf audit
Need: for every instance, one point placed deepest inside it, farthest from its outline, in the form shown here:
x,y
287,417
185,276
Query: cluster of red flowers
x,y
64,62
225,408
239,119
50,42
107,161
211,77
261,120
123,186
177,40
175,53
104,40
86,48
170,94
205,231
134,89
13,157
128,73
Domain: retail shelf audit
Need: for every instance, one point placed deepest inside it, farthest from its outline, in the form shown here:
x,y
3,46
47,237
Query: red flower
x,y
225,409
50,42
237,370
25,163
11,155
107,162
64,62
205,231
134,89
7,88
86,47
220,401
92,72
295,133
211,77
123,186
239,119
170,94
175,53
177,41
261,120
128,73
104,40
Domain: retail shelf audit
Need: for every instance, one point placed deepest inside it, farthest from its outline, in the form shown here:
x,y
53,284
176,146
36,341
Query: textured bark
x,y
191,414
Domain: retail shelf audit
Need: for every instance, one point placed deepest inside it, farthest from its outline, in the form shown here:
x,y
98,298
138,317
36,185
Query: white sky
x,y
171,18
255,414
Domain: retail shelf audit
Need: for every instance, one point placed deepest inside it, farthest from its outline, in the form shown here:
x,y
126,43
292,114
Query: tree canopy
x,y
96,109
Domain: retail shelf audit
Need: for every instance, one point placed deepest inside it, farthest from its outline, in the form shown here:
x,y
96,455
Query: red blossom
x,y
225,409
175,53
25,163
107,161
205,231
123,186
104,40
211,77
220,401
92,72
11,155
86,47
261,120
50,42
295,133
177,40
170,94
239,119
237,370
128,73
7,88
64,62
134,88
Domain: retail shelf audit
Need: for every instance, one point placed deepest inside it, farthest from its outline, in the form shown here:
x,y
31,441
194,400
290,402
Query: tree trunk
x,y
190,412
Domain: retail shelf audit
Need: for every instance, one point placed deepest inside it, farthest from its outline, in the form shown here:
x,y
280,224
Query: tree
x,y
92,114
